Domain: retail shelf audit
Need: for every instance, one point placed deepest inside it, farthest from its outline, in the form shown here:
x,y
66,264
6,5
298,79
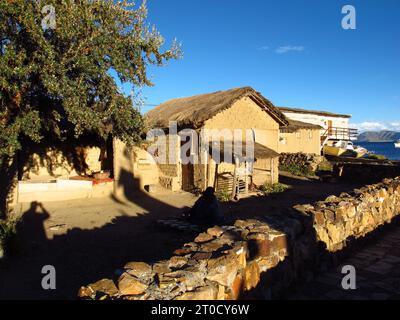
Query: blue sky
x,y
294,52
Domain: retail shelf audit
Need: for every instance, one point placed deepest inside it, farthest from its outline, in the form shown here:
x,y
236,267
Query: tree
x,y
57,58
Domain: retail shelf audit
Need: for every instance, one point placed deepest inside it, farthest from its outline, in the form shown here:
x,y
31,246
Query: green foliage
x,y
273,188
297,170
376,157
8,231
325,166
57,83
223,196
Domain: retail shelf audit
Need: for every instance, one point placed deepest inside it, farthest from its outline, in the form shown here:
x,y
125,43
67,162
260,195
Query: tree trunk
x,y
8,183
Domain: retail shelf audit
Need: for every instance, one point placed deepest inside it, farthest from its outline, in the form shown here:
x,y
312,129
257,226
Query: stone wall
x,y
256,258
353,215
309,160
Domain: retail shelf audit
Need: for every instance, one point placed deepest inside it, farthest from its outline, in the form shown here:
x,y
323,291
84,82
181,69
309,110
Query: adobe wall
x,y
54,164
145,169
246,114
303,140
170,170
259,258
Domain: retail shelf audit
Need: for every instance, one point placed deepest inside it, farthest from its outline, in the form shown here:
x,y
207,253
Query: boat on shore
x,y
343,148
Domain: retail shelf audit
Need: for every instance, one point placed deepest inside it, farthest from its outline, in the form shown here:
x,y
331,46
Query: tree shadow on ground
x,y
82,256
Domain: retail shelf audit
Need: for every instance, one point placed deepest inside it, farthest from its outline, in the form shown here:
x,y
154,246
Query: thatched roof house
x,y
242,109
192,112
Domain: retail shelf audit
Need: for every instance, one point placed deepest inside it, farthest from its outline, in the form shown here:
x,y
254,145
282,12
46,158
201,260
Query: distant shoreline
x,y
393,141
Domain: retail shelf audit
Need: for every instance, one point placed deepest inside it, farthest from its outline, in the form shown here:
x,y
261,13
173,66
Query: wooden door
x,y
187,177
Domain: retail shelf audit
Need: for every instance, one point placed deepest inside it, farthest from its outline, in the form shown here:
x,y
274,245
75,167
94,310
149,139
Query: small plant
x,y
223,196
8,231
273,188
325,166
297,170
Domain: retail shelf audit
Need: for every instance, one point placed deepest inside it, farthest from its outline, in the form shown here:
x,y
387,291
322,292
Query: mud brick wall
x,y
170,168
255,258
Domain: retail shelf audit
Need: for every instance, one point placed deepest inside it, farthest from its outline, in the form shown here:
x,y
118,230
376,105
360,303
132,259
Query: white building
x,y
335,126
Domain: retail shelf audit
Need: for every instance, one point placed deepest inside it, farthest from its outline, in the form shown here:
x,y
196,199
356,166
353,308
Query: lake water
x,y
384,148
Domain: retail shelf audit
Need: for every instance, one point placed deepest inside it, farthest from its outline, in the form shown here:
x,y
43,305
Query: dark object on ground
x,y
206,211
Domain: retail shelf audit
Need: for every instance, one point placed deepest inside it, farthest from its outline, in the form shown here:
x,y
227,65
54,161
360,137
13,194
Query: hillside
x,y
379,136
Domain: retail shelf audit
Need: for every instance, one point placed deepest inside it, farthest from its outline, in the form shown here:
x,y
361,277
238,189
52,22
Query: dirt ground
x,y
87,240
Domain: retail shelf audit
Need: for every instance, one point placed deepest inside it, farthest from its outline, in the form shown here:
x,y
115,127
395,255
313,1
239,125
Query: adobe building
x,y
240,109
300,137
334,126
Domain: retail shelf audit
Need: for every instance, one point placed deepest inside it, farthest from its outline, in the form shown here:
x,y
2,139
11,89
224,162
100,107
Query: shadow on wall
x,y
282,281
50,158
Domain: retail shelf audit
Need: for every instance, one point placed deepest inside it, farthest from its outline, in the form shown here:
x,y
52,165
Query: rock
x,y
182,251
278,242
213,246
190,279
237,288
319,218
259,245
242,253
177,262
215,231
243,224
223,270
129,285
251,276
221,294
203,237
139,269
329,215
261,229
202,256
204,293
161,267
268,263
86,293
100,288
333,199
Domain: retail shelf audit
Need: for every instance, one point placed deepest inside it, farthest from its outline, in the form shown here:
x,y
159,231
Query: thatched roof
x,y
295,125
192,112
239,150
316,112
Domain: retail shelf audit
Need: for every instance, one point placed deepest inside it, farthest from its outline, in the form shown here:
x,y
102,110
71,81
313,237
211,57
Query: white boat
x,y
397,144
344,148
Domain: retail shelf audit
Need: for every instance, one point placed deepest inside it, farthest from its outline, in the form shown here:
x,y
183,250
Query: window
x,y
298,136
